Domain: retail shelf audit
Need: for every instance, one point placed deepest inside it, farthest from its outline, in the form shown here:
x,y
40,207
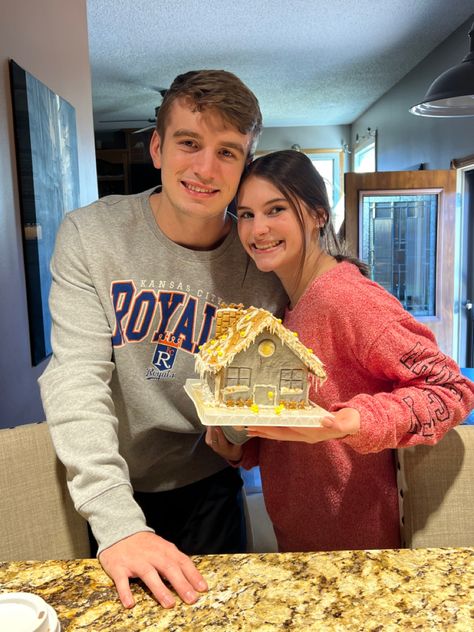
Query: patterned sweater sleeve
x,y
429,394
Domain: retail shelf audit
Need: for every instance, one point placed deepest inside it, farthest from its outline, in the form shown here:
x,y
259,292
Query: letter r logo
x,y
164,357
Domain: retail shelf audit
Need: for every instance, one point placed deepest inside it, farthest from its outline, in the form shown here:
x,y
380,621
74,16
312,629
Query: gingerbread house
x,y
254,361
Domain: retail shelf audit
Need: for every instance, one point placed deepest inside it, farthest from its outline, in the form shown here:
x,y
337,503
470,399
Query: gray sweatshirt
x,y
130,309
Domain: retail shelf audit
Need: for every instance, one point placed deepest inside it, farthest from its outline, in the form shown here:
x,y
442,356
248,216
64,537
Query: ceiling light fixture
x,y
452,93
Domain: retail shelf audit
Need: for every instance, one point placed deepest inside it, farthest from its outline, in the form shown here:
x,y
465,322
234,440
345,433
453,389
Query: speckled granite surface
x,y
423,589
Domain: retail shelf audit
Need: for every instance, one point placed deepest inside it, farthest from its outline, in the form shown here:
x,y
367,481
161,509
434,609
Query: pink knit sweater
x,y
342,494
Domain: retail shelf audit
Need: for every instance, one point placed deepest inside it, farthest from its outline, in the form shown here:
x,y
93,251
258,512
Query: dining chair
x,y
37,517
436,491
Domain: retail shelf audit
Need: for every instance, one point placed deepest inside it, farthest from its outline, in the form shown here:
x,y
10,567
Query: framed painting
x,y
48,182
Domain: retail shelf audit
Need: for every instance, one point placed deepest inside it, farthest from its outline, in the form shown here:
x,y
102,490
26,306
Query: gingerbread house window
x,y
266,348
291,380
238,376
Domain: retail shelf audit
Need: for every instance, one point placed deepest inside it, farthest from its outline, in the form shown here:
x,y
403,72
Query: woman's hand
x,y
216,440
340,424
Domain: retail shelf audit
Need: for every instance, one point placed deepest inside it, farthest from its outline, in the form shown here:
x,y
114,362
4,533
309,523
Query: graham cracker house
x,y
254,361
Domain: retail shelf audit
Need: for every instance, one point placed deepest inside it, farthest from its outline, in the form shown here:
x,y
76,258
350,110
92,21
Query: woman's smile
x,y
266,246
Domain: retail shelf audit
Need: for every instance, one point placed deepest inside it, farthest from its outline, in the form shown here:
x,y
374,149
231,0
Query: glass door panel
x,y
398,237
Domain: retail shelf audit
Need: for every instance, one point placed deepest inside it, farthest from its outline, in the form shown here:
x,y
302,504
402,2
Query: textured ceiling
x,y
309,62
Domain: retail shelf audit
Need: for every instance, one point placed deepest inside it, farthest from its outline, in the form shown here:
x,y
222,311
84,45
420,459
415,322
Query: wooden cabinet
x,y
113,171
138,145
127,169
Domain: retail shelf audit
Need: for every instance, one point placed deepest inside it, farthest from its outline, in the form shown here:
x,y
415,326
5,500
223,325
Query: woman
x,y
388,384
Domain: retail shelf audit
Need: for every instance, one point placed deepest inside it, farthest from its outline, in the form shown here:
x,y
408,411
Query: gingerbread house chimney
x,y
226,316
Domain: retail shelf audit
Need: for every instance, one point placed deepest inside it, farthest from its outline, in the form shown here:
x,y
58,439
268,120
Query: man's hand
x,y
216,440
151,558
340,424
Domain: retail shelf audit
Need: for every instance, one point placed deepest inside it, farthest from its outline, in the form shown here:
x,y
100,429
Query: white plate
x,y
211,414
25,612
54,625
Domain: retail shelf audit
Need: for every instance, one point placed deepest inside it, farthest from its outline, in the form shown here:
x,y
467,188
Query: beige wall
x,y
48,38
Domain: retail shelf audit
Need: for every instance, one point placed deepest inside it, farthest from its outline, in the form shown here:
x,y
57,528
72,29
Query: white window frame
x,y
364,146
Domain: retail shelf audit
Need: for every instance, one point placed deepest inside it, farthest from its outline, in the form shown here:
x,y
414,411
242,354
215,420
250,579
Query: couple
x,y
136,284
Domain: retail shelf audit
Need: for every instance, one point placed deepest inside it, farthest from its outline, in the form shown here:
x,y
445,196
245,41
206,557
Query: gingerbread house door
x,y
265,394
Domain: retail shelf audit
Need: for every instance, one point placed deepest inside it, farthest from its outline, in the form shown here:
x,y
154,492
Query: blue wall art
x,y
48,181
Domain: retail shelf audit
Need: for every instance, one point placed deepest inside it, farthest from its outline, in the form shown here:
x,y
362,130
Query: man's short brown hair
x,y
218,90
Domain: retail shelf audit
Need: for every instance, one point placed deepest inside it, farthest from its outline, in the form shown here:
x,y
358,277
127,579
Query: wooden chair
x,y
37,517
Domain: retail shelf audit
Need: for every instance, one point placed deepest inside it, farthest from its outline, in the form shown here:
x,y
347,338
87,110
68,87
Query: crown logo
x,y
169,340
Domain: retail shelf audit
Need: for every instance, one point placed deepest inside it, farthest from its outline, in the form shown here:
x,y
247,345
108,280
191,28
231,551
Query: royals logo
x,y
165,352
164,357
170,320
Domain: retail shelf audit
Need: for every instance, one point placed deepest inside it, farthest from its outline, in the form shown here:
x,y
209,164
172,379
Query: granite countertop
x,y
421,589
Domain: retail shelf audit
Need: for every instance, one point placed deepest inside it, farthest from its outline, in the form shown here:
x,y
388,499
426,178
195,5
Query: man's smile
x,y
200,189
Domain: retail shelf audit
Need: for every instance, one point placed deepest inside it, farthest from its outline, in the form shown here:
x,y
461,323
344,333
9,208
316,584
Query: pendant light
x,y
452,93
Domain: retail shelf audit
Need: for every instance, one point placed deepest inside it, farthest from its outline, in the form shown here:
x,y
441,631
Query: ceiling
x,y
309,62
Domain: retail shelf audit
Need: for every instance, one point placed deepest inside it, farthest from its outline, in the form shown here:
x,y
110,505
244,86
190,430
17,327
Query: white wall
x,y
315,137
48,38
307,137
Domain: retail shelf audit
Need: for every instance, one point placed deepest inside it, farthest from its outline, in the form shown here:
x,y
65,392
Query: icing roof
x,y
249,323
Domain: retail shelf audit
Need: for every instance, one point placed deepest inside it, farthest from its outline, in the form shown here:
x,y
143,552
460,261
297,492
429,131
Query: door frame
x,y
465,278
443,183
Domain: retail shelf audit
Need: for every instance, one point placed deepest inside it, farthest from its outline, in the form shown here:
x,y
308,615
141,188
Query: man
x,y
136,283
